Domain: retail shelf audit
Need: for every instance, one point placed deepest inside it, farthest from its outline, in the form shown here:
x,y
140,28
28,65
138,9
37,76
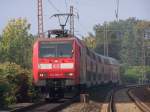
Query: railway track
x,y
100,91
118,100
52,106
138,102
111,102
97,96
122,100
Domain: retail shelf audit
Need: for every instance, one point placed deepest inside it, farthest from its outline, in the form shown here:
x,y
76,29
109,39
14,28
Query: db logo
x,y
56,66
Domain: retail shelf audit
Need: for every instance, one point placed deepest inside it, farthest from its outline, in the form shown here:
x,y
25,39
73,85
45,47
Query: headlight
x,y
42,75
68,74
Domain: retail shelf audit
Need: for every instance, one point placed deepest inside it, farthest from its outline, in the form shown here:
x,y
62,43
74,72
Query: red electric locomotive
x,y
62,61
56,63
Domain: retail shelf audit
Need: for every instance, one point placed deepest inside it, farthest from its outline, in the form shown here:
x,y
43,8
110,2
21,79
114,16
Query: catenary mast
x,y
40,19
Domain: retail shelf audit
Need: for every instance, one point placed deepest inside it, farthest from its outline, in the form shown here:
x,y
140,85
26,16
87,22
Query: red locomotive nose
x,y
56,65
56,68
55,61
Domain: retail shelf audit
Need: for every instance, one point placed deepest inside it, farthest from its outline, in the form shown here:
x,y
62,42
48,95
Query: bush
x,y
132,74
15,83
4,88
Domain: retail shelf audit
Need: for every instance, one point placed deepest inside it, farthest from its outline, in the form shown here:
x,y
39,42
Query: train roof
x,y
113,61
107,59
104,59
71,38
56,39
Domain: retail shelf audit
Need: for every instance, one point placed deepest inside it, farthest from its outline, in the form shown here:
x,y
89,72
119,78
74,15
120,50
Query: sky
x,y
91,12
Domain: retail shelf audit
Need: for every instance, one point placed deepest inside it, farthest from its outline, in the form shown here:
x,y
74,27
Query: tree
x,y
0,38
16,44
1,49
90,41
113,38
124,39
132,42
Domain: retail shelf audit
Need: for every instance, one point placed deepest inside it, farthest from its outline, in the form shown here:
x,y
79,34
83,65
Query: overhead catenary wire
x,y
66,4
117,10
54,7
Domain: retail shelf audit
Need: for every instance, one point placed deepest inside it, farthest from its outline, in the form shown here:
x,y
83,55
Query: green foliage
x,y
14,83
4,88
16,43
113,38
124,39
15,63
132,74
90,41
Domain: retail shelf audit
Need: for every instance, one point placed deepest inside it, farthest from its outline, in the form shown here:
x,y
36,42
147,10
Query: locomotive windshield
x,y
55,49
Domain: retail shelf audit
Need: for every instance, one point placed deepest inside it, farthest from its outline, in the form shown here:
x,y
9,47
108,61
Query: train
x,y
63,61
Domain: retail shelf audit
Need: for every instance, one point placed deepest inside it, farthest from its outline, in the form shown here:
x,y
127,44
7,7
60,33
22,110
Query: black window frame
x,y
71,53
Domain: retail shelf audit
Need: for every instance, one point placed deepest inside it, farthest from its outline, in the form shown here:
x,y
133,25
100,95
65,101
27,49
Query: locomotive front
x,y
53,59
